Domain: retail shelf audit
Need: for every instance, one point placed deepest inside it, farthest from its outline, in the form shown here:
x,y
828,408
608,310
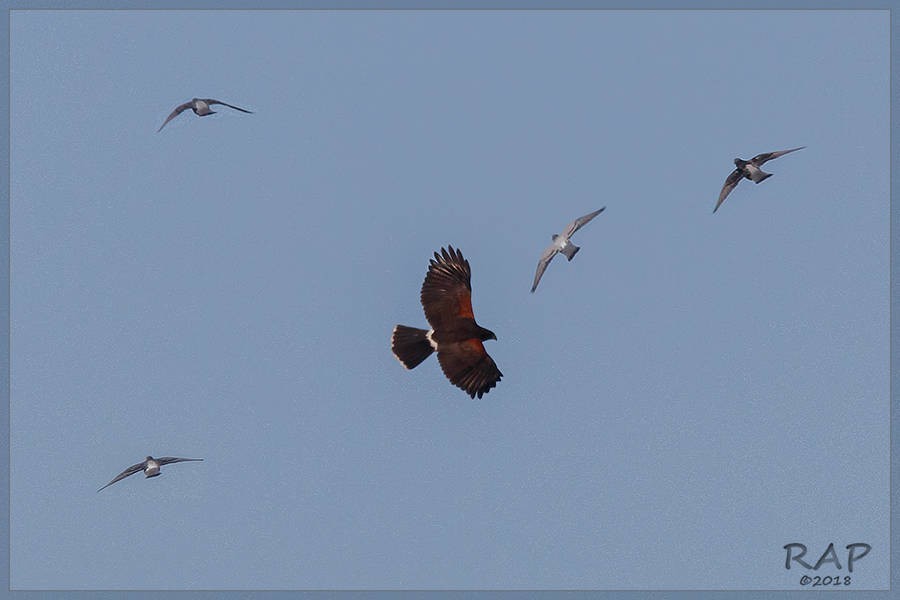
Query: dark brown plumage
x,y
447,299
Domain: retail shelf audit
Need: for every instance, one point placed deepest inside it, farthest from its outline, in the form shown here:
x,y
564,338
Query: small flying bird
x,y
200,106
561,243
455,336
150,466
749,169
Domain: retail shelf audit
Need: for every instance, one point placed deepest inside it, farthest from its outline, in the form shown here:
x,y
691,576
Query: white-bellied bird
x,y
562,243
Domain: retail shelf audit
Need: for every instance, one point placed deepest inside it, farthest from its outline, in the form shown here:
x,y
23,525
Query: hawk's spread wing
x,y
213,101
580,222
732,180
178,110
447,290
129,471
759,159
468,366
165,460
545,259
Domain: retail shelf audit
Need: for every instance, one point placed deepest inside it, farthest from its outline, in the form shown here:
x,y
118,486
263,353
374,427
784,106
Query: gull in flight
x,y
562,243
749,169
200,106
150,466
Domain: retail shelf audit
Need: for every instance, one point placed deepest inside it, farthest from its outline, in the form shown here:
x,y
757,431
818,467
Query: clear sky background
x,y
688,395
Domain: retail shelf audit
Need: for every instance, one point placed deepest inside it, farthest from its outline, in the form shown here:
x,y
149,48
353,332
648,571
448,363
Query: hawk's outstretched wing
x,y
468,366
447,290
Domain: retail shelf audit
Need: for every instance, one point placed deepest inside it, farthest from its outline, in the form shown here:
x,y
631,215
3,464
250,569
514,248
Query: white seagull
x,y
561,243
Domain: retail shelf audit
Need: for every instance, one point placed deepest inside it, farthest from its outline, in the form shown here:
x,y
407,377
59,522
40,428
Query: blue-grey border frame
x,y
5,150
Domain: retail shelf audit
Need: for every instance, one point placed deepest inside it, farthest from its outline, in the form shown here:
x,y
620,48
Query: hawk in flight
x,y
454,334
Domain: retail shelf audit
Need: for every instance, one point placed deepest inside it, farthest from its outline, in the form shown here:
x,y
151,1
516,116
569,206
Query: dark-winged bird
x,y
454,335
749,169
150,466
562,243
200,106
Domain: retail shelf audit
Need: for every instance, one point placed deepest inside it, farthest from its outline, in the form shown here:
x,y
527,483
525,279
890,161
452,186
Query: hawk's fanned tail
x,y
410,345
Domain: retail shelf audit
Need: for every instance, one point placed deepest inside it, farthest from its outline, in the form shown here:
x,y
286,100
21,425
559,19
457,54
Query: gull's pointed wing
x,y
178,110
759,159
213,101
580,222
545,259
732,180
165,460
129,471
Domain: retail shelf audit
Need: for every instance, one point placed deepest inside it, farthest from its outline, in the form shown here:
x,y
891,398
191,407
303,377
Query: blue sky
x,y
688,395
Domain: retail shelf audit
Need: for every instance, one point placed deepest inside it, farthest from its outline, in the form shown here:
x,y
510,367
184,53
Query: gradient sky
x,y
690,394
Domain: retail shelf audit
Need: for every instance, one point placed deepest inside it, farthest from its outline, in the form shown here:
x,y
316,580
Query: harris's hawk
x,y
454,335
